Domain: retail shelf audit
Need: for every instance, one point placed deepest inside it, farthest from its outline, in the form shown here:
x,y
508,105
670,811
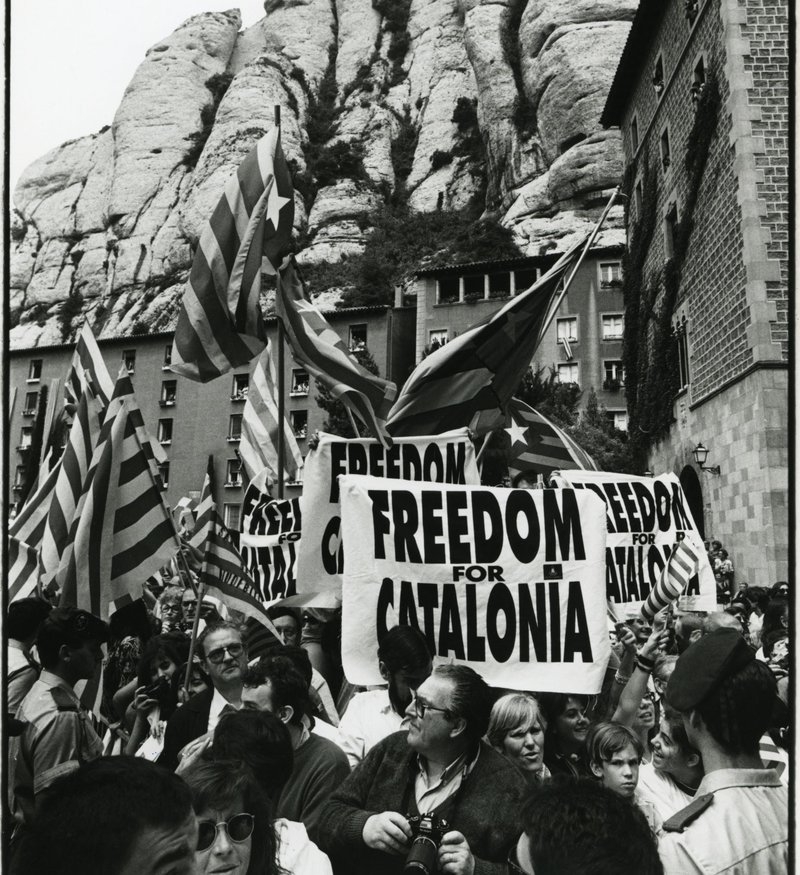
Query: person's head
x,y
161,657
115,814
640,628
579,827
261,741
567,723
131,620
688,628
716,546
614,754
287,624
662,671
189,604
70,643
276,685
170,604
404,662
780,590
672,753
222,654
449,713
198,678
726,696
234,830
525,480
721,620
723,554
516,730
645,718
24,618
776,616
299,658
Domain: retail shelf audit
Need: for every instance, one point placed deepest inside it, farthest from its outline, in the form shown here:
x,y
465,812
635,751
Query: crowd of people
x,y
253,754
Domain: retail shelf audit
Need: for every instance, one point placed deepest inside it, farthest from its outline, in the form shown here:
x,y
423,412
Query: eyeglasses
x,y
421,707
233,650
171,609
239,829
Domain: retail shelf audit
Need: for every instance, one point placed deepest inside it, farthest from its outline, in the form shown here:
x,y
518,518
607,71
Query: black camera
x,y
428,830
161,691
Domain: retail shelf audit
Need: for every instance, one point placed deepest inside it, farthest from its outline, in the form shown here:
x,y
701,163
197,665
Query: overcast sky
x,y
71,62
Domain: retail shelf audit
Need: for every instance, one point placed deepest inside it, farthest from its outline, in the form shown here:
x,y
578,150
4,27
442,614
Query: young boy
x,y
614,754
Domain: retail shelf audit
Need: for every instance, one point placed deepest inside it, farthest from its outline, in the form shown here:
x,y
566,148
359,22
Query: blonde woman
x,y
516,730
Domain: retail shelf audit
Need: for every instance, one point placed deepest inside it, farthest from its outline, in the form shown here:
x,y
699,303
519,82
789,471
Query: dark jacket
x,y
190,721
485,808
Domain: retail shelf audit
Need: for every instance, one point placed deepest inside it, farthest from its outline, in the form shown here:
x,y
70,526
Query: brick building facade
x,y
730,315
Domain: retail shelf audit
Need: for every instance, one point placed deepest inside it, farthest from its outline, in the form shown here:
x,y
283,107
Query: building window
x,y
230,516
670,229
612,326
129,360
35,370
618,418
235,427
691,8
698,80
637,197
165,431
233,473
666,158
163,470
438,337
658,76
524,279
610,274
19,476
358,337
31,403
167,357
567,329
473,287
683,353
168,390
25,437
499,285
614,376
241,386
299,422
447,290
634,134
567,373
298,477
299,382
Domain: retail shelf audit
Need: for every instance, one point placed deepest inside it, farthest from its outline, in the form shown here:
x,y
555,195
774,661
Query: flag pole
x,y
201,591
281,381
595,231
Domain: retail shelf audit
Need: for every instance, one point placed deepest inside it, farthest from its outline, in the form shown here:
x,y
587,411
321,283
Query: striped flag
x,y
258,446
23,569
74,467
319,349
220,325
540,446
87,369
479,371
122,531
681,566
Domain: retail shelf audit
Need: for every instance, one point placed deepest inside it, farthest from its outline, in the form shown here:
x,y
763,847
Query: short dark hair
x,y
25,616
299,657
471,699
606,739
261,741
738,711
216,627
90,819
580,827
282,611
677,729
553,706
287,684
403,648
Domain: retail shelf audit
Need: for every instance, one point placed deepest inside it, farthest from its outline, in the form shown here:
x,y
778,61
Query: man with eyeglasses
x,y
224,659
441,766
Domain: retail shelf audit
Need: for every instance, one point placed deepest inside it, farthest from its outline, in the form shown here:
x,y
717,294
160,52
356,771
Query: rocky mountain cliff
x,y
456,105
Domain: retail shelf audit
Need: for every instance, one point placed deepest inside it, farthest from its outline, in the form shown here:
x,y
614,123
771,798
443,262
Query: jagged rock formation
x,y
443,103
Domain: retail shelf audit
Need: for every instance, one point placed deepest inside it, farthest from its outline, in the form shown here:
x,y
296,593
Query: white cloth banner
x,y
508,581
645,517
443,458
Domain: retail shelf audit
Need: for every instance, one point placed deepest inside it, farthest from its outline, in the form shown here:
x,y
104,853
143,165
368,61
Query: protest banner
x,y
508,581
645,517
441,458
270,533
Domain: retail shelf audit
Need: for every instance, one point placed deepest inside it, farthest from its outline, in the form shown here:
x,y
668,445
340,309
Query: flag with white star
x,y
220,325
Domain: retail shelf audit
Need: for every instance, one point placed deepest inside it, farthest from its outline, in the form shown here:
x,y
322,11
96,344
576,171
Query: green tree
x,y
337,421
607,445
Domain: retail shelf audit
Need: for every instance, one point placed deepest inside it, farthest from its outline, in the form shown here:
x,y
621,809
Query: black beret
x,y
704,665
76,623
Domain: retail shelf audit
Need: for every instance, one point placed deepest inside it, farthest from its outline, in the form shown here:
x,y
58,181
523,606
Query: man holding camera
x,y
436,794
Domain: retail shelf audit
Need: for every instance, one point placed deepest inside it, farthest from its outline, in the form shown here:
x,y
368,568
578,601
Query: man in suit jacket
x,y
224,658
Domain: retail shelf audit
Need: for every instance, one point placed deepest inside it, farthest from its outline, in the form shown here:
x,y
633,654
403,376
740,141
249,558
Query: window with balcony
x,y
233,473
129,360
437,337
169,389
299,382
567,329
358,337
25,437
613,375
666,157
235,428
612,326
610,274
567,373
167,357
163,470
298,419
165,431
240,388
231,514
31,403
35,370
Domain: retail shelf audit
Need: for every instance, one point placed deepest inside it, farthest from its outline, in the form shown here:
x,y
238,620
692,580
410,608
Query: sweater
x,y
485,809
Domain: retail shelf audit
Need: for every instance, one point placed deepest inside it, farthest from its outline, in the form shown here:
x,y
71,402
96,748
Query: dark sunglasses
x,y
239,829
216,656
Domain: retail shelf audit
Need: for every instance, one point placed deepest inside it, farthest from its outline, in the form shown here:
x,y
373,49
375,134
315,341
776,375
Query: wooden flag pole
x,y
281,381
201,591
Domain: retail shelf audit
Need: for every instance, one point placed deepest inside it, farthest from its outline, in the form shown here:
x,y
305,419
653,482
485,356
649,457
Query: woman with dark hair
x,y
236,833
565,736
776,619
130,629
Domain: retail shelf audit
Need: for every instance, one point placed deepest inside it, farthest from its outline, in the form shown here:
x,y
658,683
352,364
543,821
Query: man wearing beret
x,y
58,734
739,819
